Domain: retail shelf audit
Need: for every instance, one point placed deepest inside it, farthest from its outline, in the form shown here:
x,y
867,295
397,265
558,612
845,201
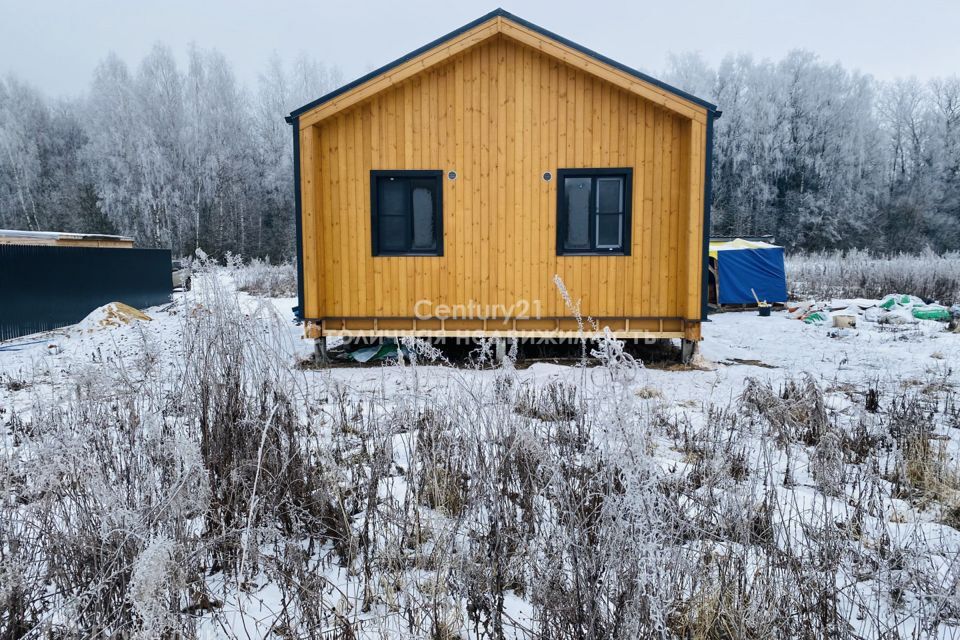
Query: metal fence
x,y
43,288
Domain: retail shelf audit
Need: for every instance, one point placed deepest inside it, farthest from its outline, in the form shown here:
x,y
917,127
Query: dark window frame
x,y
416,174
593,173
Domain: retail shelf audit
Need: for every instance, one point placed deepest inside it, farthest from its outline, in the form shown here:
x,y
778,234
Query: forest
x,y
179,158
186,156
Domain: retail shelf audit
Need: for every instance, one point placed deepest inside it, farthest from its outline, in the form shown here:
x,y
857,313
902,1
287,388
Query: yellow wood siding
x,y
500,114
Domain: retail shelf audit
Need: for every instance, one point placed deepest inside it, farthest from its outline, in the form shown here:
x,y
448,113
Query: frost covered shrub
x,y
827,463
554,402
795,414
153,584
860,274
260,278
171,493
248,402
157,471
580,519
100,481
440,458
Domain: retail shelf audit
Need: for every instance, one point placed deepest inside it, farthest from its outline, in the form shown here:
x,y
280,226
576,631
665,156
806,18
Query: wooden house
x,y
447,193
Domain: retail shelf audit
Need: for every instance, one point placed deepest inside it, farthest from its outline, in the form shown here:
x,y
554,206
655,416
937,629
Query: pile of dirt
x,y
111,315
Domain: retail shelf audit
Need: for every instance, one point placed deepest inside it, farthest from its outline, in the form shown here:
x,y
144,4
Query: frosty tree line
x,y
174,157
817,155
826,158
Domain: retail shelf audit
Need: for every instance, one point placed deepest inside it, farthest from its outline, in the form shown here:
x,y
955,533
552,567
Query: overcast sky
x,y
55,44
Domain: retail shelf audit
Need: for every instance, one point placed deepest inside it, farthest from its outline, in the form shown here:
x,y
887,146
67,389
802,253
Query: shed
x,y
64,239
740,268
439,195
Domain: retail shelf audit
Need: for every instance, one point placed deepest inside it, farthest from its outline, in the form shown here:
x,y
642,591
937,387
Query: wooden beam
x,y
693,215
471,333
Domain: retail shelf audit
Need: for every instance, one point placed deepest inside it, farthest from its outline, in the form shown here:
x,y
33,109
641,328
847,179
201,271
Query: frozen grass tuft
x,y
260,278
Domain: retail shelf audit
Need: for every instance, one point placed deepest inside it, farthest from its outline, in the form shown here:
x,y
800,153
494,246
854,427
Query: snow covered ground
x,y
790,456
736,346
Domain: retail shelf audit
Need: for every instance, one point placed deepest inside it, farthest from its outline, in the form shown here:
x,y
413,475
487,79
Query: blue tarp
x,y
762,270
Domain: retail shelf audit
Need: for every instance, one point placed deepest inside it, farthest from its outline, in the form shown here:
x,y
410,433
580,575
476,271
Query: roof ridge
x,y
501,13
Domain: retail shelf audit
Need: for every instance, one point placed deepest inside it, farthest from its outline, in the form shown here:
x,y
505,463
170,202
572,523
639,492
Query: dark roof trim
x,y
298,217
707,210
529,25
602,58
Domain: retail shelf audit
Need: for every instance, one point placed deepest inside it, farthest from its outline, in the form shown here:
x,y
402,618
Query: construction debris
x,y
893,309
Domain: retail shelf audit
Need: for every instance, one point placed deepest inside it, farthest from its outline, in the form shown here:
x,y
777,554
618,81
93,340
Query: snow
x,y
110,315
737,348
741,345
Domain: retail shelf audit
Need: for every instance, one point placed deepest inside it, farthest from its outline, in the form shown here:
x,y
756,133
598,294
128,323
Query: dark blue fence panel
x,y
42,288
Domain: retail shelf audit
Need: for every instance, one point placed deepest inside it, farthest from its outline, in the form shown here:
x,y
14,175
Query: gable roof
x,y
489,25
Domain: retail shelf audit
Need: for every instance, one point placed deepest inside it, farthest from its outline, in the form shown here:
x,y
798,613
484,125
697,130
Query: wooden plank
x,y
457,217
618,141
541,145
424,266
332,220
524,252
508,334
476,239
311,265
510,155
347,264
418,267
668,293
483,214
649,143
445,149
380,148
435,160
360,223
695,230
657,270
564,143
327,142
589,283
675,187
499,172
600,283
632,273
469,178
577,125
575,114
403,268
317,246
349,223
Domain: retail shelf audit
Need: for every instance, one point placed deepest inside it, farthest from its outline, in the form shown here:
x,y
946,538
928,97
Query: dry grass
x,y
260,278
859,274
162,497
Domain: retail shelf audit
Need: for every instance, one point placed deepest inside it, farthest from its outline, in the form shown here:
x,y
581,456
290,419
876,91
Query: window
x,y
593,211
406,212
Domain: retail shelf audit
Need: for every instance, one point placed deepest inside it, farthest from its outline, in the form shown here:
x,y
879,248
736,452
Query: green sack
x,y
893,300
932,312
815,318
